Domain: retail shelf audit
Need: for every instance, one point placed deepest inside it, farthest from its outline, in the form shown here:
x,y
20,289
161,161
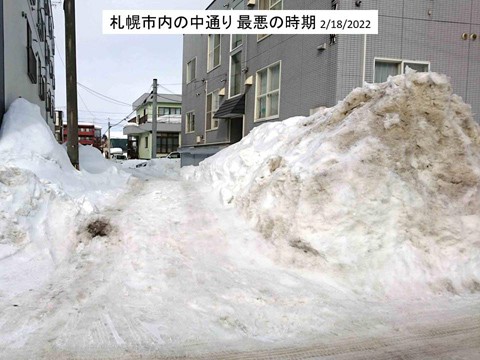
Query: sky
x,y
121,67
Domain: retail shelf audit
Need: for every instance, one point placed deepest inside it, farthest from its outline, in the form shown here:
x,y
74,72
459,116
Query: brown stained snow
x,y
386,185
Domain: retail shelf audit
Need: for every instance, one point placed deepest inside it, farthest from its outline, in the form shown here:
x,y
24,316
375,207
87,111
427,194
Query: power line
x,y
95,111
102,96
166,89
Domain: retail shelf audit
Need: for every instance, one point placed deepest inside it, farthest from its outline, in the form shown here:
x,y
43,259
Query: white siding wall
x,y
17,81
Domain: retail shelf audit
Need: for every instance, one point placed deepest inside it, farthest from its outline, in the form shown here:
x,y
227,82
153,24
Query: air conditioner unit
x,y
251,3
199,139
249,80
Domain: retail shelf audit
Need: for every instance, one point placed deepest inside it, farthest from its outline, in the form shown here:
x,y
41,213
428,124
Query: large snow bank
x,y
380,193
42,197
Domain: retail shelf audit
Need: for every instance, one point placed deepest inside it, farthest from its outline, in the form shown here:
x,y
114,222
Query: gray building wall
x,y
2,66
16,13
420,30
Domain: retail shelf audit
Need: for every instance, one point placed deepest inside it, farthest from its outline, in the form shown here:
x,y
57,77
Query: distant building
x,y
27,51
233,83
88,134
139,128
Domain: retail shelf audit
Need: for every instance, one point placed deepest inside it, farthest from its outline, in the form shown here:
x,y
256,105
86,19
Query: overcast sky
x,y
121,67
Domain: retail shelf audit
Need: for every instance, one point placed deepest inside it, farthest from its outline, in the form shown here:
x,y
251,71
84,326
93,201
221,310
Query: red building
x,y
88,134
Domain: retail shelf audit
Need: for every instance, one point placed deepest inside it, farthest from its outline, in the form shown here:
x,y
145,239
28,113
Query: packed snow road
x,y
177,274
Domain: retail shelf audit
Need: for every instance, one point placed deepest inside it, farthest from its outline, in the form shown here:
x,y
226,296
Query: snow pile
x,y
92,161
380,193
42,197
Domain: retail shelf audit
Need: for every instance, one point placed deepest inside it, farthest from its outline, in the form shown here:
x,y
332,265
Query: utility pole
x,y
108,141
154,120
71,63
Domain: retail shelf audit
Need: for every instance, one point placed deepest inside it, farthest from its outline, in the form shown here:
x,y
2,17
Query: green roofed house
x,y
139,128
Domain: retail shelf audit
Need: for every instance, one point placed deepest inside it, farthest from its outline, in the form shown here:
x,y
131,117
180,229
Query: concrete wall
x,y
16,13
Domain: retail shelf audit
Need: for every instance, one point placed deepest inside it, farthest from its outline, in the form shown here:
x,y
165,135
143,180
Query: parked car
x,y
120,157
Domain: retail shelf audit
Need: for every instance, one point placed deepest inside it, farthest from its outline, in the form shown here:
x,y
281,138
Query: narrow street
x,y
179,275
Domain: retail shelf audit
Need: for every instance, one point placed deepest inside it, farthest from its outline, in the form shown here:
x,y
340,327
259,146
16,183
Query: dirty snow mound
x,y
42,197
380,193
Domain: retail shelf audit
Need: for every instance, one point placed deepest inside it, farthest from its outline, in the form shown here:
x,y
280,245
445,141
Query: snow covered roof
x,y
164,98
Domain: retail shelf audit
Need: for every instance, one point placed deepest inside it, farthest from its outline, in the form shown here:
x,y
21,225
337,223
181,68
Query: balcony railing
x,y
169,119
143,119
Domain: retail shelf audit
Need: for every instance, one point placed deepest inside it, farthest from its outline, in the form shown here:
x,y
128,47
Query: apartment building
x,y
139,128
27,51
88,134
233,83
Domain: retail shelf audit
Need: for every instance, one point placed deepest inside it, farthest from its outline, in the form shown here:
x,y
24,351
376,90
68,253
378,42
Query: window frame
x,y
211,67
400,64
189,128
209,118
32,66
236,52
231,42
188,81
261,6
268,92
163,142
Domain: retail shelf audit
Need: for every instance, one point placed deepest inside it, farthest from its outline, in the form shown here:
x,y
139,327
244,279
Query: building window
x,y
235,73
213,51
417,66
169,111
268,92
167,143
269,5
163,111
191,70
235,41
213,103
42,81
40,24
146,142
391,67
31,58
48,102
52,106
190,122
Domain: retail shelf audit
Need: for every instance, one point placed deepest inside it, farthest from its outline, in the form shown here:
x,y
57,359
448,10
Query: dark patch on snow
x,y
99,227
304,246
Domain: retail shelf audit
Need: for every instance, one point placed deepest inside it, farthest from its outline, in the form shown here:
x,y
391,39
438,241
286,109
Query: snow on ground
x,y
169,270
43,196
163,167
380,193
179,274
